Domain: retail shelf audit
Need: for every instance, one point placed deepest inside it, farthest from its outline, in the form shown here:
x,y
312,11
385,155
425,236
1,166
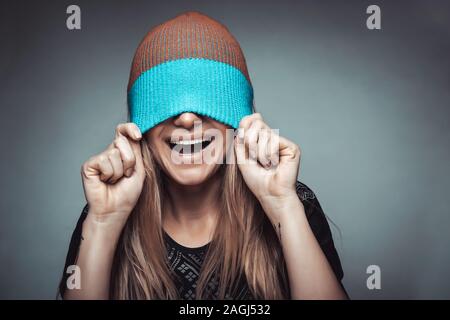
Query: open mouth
x,y
190,146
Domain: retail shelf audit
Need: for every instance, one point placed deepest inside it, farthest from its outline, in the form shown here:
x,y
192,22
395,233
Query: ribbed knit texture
x,y
190,63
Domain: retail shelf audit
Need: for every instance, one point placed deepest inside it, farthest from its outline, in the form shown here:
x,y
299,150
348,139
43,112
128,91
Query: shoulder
x,y
309,200
304,192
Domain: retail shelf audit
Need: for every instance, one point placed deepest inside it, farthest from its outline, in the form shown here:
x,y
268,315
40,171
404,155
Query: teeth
x,y
188,142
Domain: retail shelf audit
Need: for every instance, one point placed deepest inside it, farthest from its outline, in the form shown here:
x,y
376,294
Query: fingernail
x,y
252,154
138,134
129,172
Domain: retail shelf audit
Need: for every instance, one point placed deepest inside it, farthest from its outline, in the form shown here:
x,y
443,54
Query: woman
x,y
177,207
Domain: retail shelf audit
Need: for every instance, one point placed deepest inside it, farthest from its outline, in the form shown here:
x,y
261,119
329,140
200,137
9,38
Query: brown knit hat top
x,y
190,36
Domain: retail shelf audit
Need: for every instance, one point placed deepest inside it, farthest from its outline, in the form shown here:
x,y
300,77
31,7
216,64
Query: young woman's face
x,y
189,148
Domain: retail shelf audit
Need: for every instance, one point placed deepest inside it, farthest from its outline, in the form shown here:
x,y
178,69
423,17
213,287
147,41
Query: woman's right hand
x,y
113,179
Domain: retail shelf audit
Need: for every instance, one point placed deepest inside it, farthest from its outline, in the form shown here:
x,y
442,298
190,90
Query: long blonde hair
x,y
244,244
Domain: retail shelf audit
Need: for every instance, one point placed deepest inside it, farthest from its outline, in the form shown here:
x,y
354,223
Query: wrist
x,y
108,219
284,199
276,207
103,227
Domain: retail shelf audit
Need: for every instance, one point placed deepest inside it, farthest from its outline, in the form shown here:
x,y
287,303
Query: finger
x,y
248,120
126,154
263,140
134,136
251,138
139,162
288,149
129,130
239,148
117,165
273,149
102,166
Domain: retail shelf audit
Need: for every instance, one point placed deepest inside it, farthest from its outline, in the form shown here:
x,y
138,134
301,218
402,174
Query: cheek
x,y
227,145
156,148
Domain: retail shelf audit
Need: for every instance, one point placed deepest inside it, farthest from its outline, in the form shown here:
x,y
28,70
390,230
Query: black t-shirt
x,y
185,263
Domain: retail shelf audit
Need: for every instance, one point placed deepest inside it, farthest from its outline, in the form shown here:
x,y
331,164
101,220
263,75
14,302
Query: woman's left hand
x,y
268,162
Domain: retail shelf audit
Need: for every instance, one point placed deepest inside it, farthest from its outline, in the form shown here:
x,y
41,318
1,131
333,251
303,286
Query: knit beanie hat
x,y
190,63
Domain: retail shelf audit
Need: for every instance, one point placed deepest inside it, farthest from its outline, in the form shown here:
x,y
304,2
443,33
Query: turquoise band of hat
x,y
207,87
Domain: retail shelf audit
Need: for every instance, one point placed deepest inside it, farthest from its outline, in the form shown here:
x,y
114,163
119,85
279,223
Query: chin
x,y
191,175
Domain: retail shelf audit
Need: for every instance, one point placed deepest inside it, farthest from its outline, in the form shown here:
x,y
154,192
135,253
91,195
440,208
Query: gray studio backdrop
x,y
369,108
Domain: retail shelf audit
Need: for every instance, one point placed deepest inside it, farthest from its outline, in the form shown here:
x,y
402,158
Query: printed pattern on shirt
x,y
186,263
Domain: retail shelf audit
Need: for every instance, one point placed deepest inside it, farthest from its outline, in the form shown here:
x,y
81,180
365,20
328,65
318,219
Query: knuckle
x,y
264,134
114,152
117,140
102,158
258,122
127,157
252,135
107,170
245,120
117,174
121,142
129,160
132,125
127,164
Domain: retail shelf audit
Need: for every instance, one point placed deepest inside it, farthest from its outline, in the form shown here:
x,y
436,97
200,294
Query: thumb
x,y
239,149
137,150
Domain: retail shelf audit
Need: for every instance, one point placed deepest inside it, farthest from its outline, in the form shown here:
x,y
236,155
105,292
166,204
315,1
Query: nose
x,y
186,120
